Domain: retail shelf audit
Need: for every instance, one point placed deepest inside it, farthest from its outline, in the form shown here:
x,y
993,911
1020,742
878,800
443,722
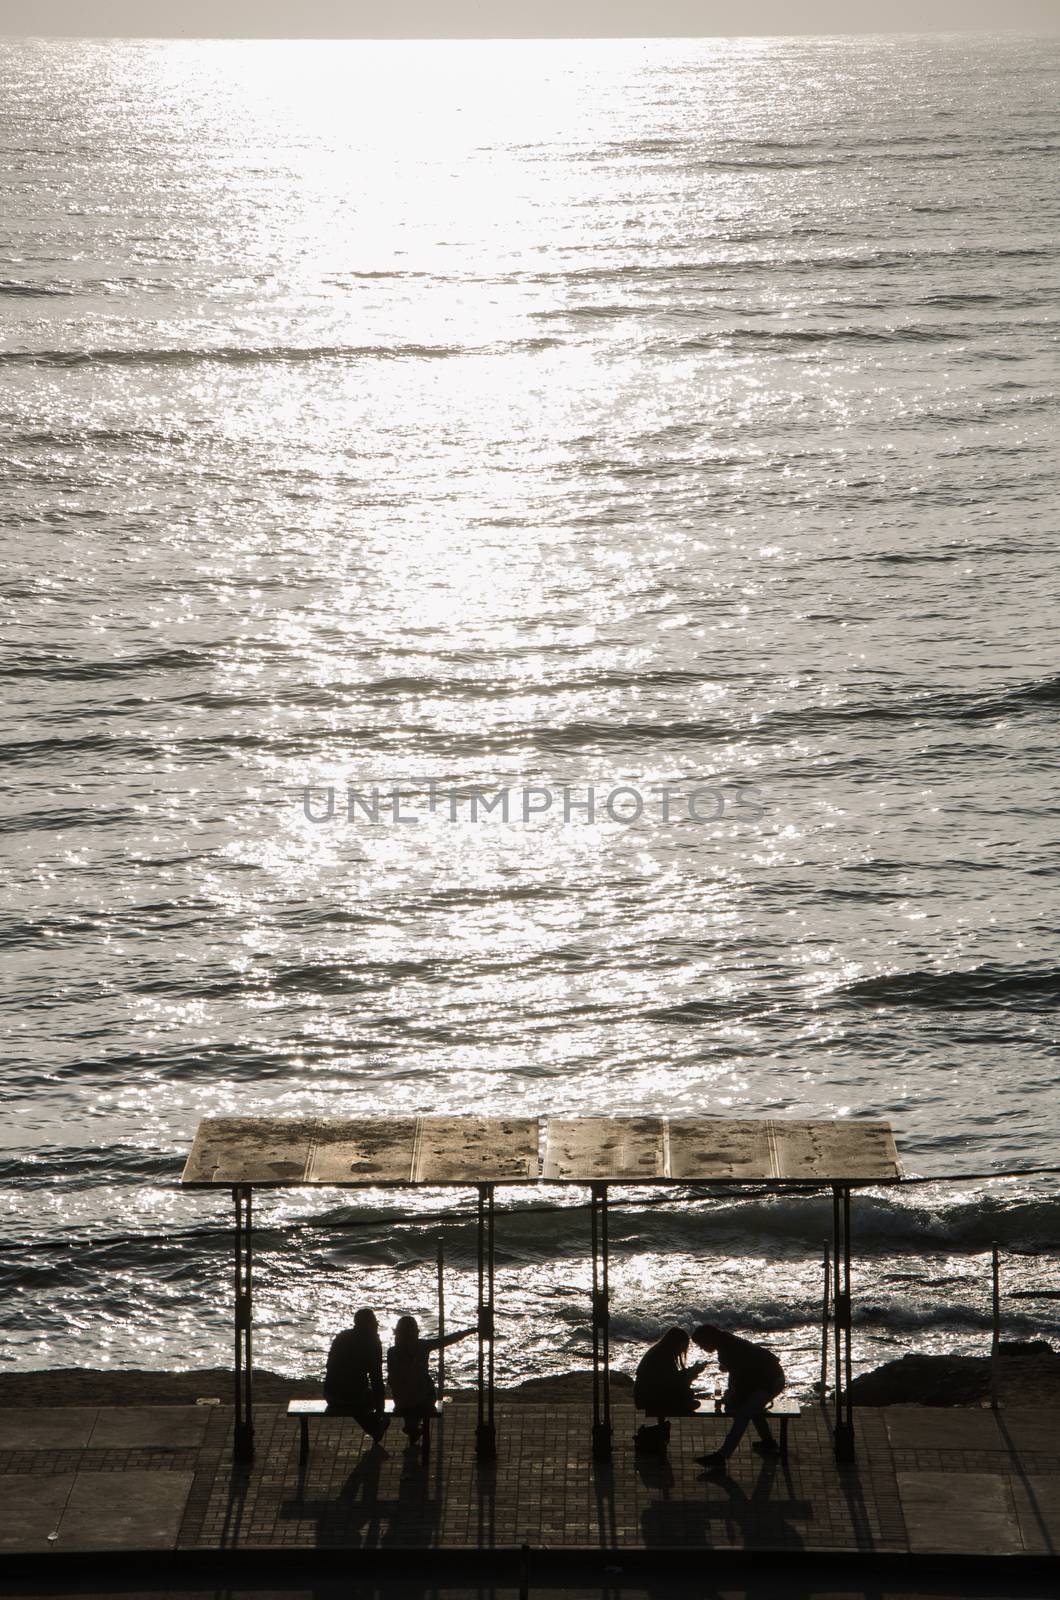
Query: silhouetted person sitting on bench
x,y
353,1383
409,1375
756,1377
663,1384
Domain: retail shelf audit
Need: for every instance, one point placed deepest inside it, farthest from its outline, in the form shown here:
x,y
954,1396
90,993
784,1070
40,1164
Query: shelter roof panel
x,y
476,1149
604,1149
719,1147
851,1151
374,1150
259,1150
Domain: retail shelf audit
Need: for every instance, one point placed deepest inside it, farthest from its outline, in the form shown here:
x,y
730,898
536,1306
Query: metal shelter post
x,y
243,1442
825,1301
441,1317
842,1323
486,1432
601,1324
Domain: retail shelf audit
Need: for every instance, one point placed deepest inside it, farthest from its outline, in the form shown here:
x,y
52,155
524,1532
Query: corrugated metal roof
x,y
277,1152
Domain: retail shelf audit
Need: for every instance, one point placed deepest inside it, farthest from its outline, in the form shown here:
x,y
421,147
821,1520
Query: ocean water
x,y
677,418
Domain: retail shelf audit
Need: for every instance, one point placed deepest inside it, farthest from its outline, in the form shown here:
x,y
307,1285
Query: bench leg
x,y
783,1438
303,1448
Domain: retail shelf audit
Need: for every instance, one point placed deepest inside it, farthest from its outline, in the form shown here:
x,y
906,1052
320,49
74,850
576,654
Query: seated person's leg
x,y
373,1421
413,1420
761,1400
740,1418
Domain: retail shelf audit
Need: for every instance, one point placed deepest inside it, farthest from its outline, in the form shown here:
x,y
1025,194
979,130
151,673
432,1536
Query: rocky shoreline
x,y
1028,1374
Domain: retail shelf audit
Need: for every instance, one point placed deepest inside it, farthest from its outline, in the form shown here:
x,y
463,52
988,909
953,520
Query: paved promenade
x,y
156,1478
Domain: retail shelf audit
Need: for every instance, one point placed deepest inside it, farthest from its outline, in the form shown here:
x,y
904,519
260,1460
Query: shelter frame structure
x,y
486,1431
241,1154
243,1319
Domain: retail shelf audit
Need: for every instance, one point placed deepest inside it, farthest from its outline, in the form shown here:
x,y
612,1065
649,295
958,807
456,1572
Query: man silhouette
x,y
353,1383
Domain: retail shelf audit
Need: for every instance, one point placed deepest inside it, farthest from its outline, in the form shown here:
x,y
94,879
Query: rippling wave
x,y
989,986
253,355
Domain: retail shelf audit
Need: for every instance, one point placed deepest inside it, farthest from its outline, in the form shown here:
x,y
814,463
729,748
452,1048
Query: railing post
x,y
825,1303
995,1344
848,1339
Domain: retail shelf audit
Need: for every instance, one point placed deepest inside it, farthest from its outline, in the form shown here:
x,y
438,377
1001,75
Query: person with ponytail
x,y
409,1375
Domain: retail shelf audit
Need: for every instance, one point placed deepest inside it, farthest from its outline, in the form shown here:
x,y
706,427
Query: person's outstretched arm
x,y
450,1338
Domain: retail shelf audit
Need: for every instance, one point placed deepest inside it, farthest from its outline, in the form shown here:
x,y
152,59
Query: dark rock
x,y
565,1387
84,1386
1028,1373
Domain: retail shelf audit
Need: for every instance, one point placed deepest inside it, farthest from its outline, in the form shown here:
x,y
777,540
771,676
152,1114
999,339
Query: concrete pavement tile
x,y
942,1428
124,1511
46,1427
147,1427
950,1511
1037,1498
1025,1428
33,1506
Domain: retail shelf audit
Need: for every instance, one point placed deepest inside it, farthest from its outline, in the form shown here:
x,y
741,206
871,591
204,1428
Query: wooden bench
x,y
783,1410
306,1411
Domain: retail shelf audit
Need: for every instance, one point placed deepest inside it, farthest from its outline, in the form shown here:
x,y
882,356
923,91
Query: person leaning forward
x,y
756,1377
353,1382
